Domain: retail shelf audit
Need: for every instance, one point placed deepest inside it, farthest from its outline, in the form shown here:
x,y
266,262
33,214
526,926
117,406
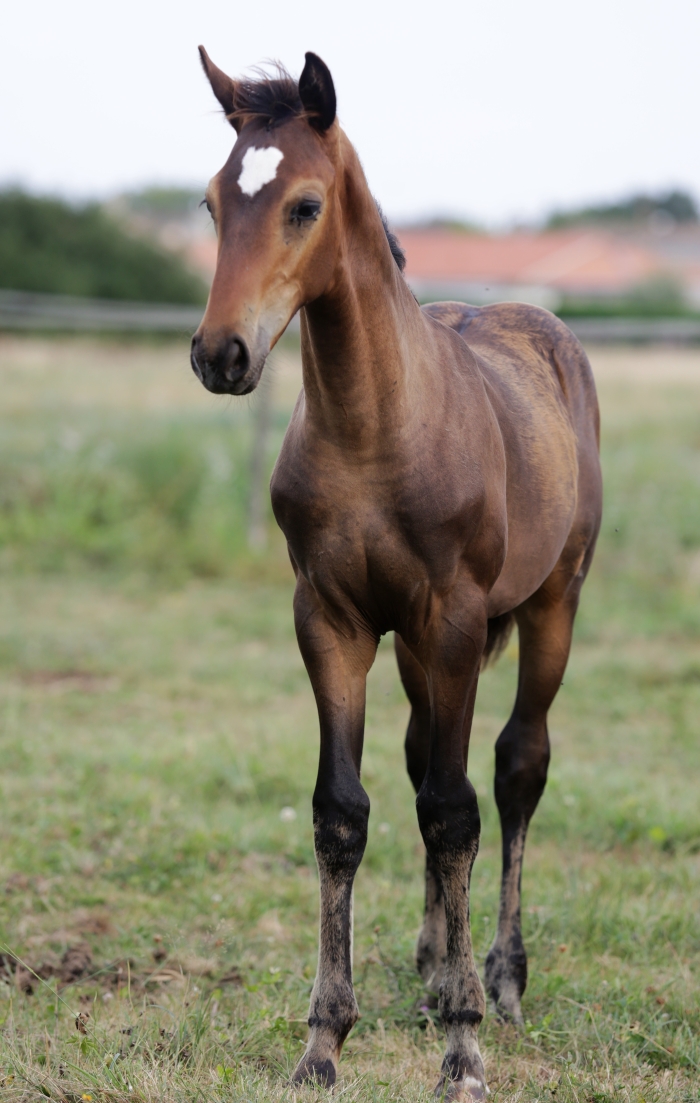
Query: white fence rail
x,y
29,311
657,331
22,310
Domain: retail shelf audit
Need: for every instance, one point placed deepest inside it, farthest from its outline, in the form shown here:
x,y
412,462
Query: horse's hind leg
x,y
545,623
431,948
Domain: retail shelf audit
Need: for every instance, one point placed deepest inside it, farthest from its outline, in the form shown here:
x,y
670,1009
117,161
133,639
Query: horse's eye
x,y
305,211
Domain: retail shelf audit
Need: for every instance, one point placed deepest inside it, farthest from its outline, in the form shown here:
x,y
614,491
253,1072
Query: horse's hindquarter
x,y
541,390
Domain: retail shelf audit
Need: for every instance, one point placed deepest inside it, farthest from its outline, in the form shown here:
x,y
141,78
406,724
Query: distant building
x,y
648,256
549,266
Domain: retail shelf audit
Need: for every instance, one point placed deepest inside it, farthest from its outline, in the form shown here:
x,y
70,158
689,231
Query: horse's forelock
x,y
269,99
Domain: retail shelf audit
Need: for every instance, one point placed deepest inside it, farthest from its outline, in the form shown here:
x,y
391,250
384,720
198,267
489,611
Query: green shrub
x,y
47,245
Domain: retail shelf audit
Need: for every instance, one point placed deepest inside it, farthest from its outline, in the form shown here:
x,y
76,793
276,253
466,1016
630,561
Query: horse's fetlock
x,y
335,1020
505,977
462,1001
506,968
469,1016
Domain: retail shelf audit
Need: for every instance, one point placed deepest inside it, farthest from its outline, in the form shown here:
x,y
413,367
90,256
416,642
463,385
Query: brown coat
x,y
439,478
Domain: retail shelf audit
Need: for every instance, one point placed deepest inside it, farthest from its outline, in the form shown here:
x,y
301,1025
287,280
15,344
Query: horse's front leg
x,y
337,662
448,817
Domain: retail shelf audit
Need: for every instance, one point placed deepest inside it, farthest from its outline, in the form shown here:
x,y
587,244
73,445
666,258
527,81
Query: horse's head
x,y
276,219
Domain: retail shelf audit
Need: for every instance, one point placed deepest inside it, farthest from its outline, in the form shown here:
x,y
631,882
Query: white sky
x,y
495,110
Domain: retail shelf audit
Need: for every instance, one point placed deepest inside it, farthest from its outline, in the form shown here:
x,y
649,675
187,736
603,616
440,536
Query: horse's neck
x,y
354,360
359,340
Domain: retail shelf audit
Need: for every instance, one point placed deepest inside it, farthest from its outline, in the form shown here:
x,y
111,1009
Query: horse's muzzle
x,y
224,368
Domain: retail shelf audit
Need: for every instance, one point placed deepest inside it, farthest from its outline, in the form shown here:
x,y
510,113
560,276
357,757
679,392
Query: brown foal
x,y
440,479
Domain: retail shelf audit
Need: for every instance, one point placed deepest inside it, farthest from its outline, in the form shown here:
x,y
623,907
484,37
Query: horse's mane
x,y
394,243
275,100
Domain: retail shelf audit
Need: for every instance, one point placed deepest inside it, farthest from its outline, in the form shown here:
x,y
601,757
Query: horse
x,y
439,478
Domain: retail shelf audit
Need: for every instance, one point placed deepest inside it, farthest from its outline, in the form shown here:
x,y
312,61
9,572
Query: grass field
x,y
158,749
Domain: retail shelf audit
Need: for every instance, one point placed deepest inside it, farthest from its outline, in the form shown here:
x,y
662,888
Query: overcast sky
x,y
494,111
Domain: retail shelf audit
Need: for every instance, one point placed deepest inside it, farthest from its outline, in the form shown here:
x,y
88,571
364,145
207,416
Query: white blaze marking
x,y
259,168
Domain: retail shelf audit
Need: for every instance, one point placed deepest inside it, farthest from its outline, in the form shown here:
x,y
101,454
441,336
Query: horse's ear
x,y
222,86
317,93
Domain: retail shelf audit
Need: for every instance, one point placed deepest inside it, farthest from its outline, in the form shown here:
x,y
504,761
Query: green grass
x,y
156,719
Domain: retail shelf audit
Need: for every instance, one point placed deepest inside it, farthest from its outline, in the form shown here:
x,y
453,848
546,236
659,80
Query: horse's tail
x,y
499,630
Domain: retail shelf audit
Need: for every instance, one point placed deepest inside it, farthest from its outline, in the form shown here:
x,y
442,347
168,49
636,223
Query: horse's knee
x,y
522,761
341,815
448,817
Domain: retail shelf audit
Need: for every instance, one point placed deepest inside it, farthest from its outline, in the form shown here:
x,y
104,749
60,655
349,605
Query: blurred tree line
x,y
673,206
48,245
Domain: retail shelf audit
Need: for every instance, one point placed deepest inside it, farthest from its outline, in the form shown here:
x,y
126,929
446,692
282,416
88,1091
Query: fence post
x,y
257,497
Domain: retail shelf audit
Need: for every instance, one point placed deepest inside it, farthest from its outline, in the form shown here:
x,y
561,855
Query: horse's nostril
x,y
238,360
193,358
221,365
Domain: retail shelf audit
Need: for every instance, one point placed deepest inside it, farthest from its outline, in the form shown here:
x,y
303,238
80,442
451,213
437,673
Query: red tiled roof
x,y
580,261
572,260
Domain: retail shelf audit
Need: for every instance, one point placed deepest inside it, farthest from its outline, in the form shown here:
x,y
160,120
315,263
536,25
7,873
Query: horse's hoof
x,y
504,989
313,1070
509,1014
506,978
466,1090
505,1003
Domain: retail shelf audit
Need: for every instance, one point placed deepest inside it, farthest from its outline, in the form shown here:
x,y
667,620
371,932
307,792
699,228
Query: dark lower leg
x,y
340,835
337,665
450,828
522,760
448,817
431,947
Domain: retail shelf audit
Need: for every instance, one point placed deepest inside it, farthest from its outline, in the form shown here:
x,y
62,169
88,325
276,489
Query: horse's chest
x,y
338,530
375,545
